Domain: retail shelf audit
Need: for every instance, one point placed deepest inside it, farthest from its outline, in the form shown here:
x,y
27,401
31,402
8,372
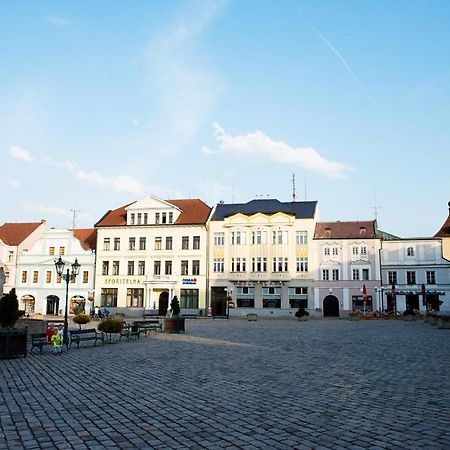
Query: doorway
x,y
330,306
163,303
219,301
412,302
52,305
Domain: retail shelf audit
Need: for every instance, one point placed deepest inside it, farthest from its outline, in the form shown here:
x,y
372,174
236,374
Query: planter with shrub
x,y
301,314
13,341
111,327
81,319
175,323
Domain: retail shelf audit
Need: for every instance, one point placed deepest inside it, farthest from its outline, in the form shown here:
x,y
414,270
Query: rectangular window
x,y
116,243
135,298
158,243
280,264
168,242
335,274
196,267
302,264
355,274
185,243
132,243
238,264
335,251
258,237
142,243
108,297
364,251
48,276
259,264
355,250
325,275
141,268
279,237
219,238
130,270
196,243
139,218
184,267
115,268
365,274
431,277
171,217
106,244
35,276
410,251
301,237
157,218
157,268
62,250
168,268
410,277
145,218
105,268
218,265
326,251
132,219
51,251
85,276
188,298
392,277
164,217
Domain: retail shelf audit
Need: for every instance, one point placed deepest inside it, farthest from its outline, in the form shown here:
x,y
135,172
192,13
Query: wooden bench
x,y
252,317
189,316
148,325
91,334
39,340
151,313
130,331
220,317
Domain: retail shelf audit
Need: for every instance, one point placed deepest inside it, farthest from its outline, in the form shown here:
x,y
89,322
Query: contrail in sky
x,y
343,61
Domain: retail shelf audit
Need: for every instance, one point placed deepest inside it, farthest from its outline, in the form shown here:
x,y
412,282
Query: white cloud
x,y
11,183
20,153
58,22
260,145
185,87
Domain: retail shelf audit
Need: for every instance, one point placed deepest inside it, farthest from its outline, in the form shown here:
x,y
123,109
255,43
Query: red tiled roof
x,y
345,230
445,229
193,212
87,237
16,233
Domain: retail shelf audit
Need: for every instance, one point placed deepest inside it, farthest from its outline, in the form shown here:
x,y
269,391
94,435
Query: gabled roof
x,y
16,233
301,210
87,237
193,212
445,229
346,230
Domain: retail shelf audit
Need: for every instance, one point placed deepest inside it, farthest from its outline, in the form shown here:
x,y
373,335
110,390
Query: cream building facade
x,y
148,252
260,257
39,289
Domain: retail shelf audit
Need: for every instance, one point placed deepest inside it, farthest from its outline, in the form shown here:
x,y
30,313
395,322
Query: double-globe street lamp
x,y
69,275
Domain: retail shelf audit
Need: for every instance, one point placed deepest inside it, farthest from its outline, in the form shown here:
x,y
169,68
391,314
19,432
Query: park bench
x,y
189,316
130,331
220,317
150,313
90,334
39,340
148,325
252,317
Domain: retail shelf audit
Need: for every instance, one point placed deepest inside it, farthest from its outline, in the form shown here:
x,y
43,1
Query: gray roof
x,y
301,210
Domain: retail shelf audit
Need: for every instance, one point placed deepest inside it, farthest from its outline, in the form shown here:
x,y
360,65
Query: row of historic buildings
x,y
263,256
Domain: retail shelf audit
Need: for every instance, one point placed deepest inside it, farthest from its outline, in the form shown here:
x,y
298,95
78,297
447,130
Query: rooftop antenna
x,y
294,195
74,216
376,207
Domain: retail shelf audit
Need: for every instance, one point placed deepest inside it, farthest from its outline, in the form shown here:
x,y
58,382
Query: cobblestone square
x,y
269,384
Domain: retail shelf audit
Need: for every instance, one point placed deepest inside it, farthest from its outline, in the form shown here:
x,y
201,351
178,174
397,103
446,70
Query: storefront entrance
x,y
52,305
219,301
163,303
412,302
330,306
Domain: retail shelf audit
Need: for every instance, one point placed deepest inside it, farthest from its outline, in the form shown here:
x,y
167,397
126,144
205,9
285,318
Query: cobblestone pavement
x,y
270,384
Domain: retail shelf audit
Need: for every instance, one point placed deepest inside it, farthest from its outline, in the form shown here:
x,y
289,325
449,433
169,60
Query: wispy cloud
x,y
11,183
343,61
58,22
55,211
185,87
20,153
260,145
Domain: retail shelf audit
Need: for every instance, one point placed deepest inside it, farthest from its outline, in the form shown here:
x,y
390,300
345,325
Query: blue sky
x,y
102,103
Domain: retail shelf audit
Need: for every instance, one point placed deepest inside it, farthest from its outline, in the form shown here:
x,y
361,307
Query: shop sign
x,y
122,281
189,281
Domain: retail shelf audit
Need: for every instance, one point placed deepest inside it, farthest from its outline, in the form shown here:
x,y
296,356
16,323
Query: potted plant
x,y
110,326
302,314
174,323
81,319
13,341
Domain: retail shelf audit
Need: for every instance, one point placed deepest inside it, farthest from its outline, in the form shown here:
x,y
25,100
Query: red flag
x,y
393,295
424,296
364,295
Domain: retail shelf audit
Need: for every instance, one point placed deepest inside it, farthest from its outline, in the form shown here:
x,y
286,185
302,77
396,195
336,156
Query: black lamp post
x,y
66,277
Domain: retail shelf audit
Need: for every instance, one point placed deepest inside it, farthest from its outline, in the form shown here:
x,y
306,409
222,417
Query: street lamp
x,y
66,277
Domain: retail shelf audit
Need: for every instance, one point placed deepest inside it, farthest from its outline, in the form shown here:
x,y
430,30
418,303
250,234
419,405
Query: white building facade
x,y
347,256
260,257
410,263
148,252
39,289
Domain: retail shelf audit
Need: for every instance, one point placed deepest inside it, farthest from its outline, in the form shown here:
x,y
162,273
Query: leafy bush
x,y
9,309
81,319
301,312
110,325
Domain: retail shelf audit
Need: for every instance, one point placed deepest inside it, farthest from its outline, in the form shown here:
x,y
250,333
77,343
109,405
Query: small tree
x,y
175,306
9,309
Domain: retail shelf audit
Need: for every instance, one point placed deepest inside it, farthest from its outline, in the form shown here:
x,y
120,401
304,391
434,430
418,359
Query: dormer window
x,y
410,251
145,218
362,231
164,217
139,219
157,218
170,217
132,219
327,232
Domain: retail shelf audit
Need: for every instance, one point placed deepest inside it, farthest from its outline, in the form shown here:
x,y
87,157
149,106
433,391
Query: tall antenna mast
x,y
74,216
294,195
376,207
